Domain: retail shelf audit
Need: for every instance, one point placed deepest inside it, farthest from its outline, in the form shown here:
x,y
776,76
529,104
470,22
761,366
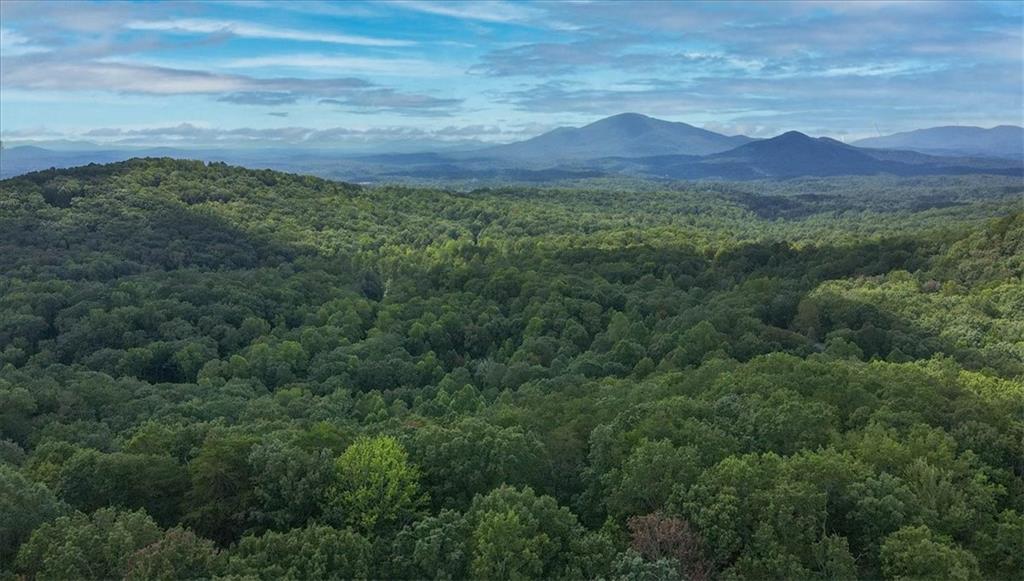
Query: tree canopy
x,y
209,371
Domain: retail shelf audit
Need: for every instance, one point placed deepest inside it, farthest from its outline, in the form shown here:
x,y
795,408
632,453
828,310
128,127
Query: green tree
x,y
90,480
917,553
646,479
473,457
221,497
97,546
436,547
517,534
507,548
375,487
632,566
315,552
289,483
179,554
24,505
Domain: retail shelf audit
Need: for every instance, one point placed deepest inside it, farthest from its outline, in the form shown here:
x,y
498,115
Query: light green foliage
x,y
375,487
917,553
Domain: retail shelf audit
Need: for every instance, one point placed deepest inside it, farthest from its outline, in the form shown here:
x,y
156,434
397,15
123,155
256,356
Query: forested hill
x,y
212,371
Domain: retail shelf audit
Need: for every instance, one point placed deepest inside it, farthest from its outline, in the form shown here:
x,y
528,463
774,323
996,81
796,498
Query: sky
x,y
407,74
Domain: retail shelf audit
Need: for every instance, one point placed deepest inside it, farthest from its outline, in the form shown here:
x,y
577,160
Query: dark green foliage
x,y
24,505
179,554
473,457
89,480
213,371
316,552
98,546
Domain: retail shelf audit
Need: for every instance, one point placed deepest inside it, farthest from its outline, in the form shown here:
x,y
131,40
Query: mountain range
x,y
1002,141
625,144
794,154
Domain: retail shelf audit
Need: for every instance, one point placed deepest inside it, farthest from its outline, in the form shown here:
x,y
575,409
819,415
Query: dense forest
x,y
208,371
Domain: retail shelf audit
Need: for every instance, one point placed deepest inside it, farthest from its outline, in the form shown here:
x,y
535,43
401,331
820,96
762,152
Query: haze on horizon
x,y
391,74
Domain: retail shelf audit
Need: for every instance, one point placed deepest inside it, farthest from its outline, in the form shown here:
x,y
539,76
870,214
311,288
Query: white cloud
x,y
250,30
492,11
13,43
495,11
54,74
366,65
197,134
93,75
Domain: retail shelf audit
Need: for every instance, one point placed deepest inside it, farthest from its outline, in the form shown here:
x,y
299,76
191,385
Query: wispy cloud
x,y
252,30
315,7
264,98
13,43
350,64
53,74
488,11
197,135
561,58
394,101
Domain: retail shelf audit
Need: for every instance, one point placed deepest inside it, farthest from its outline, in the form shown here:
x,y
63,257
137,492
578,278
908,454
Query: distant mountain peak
x,y
626,117
627,135
630,123
791,137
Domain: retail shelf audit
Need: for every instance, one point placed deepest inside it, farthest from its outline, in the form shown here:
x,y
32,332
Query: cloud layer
x,y
191,135
762,68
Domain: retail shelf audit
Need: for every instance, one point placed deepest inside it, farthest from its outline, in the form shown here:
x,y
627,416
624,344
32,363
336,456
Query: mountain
x,y
1002,141
623,135
795,154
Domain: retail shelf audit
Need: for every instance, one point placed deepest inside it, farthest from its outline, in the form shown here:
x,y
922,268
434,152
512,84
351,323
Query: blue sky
x,y
401,74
